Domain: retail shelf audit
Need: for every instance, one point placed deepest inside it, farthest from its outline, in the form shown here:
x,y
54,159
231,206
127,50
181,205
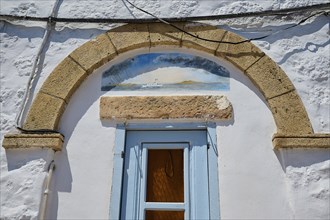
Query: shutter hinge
x,y
122,154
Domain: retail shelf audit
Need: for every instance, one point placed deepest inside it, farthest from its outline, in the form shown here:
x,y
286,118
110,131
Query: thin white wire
x,y
27,94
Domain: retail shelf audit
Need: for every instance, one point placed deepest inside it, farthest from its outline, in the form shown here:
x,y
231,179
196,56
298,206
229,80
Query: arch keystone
x,y
204,31
130,37
165,35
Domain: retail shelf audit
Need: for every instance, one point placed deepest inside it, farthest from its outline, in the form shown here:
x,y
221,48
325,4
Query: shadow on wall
x,y
81,102
90,90
299,157
307,173
281,33
242,78
17,158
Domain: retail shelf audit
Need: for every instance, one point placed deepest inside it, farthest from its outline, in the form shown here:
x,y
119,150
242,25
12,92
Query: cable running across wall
x,y
52,19
27,94
280,12
223,42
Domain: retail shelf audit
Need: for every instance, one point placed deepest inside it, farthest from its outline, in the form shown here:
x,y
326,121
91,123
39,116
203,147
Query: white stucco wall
x,y
87,159
255,181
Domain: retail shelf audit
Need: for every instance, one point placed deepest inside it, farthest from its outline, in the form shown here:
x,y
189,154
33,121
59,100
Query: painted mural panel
x,y
166,71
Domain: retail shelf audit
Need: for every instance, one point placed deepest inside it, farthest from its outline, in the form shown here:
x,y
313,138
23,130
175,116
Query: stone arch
x,y
287,108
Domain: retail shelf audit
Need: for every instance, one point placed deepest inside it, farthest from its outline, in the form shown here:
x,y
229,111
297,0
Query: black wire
x,y
39,131
167,21
219,41
280,12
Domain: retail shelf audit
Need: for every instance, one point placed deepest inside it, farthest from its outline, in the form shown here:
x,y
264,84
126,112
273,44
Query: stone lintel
x,y
19,141
165,107
281,141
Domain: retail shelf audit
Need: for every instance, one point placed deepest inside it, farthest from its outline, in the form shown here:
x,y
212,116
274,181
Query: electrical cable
x,y
27,94
220,41
39,131
279,12
52,19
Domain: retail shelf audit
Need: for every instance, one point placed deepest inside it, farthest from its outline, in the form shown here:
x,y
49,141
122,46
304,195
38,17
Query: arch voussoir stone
x,y
130,37
289,114
242,55
65,79
163,35
203,31
288,111
94,53
269,78
45,113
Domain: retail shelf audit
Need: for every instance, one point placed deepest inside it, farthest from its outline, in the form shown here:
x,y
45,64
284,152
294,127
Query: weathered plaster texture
x,y
302,52
310,183
22,184
165,107
308,178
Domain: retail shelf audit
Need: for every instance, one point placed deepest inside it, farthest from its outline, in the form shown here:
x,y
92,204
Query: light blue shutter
x,y
201,184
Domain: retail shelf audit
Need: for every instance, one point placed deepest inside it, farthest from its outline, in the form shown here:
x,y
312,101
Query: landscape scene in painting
x,y
166,71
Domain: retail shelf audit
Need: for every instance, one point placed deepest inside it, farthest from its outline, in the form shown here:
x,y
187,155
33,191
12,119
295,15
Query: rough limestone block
x,y
165,35
301,141
130,37
44,113
290,115
165,107
64,80
18,141
241,55
94,53
269,77
202,31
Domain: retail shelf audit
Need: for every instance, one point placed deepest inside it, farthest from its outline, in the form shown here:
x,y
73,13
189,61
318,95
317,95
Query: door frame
x,y
119,155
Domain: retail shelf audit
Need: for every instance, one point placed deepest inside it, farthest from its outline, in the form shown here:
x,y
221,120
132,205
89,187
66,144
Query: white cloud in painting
x,y
174,75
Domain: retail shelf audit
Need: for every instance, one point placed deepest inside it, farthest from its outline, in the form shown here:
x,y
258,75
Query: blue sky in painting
x,y
166,71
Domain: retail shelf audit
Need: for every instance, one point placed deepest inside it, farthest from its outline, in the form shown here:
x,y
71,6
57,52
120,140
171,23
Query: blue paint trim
x,y
212,165
117,177
167,126
214,195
